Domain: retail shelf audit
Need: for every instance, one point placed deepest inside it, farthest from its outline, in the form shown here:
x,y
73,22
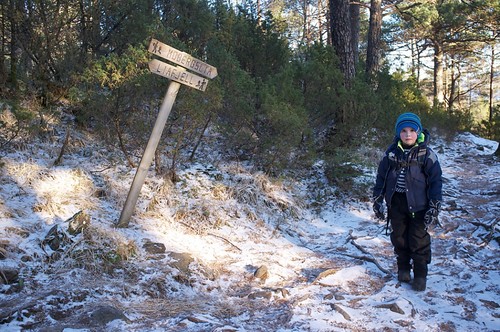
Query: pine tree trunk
x,y
454,93
438,92
13,45
354,11
342,38
3,41
373,52
492,76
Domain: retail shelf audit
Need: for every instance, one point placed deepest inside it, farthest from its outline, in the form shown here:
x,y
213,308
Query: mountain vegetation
x,y
256,212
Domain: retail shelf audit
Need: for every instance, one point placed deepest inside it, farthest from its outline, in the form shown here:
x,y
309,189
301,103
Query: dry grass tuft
x,y
253,190
99,249
3,248
22,172
211,204
59,188
55,189
221,192
201,216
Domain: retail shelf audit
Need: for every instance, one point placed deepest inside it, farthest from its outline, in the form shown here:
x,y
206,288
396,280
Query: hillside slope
x,y
229,249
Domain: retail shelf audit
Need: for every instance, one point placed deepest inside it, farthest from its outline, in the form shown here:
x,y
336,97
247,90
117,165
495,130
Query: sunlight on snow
x,y
59,191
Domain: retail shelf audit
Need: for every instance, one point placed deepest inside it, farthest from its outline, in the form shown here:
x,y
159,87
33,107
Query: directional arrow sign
x,y
181,58
178,74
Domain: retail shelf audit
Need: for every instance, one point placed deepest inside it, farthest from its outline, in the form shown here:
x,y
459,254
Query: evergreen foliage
x,y
116,96
491,128
279,105
15,121
281,121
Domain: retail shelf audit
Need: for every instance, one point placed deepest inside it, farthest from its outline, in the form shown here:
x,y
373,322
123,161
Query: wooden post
x,y
177,75
147,158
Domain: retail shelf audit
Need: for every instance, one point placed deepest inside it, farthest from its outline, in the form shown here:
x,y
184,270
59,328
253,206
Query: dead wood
x,y
368,258
490,228
341,311
394,307
63,148
226,240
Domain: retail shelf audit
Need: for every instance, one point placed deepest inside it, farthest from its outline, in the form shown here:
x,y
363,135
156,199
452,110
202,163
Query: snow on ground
x,y
327,269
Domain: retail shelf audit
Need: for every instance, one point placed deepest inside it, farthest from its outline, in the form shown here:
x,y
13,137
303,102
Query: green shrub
x,y
16,122
490,129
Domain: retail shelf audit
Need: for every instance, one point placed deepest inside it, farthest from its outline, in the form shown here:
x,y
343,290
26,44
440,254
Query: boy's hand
x,y
431,216
378,208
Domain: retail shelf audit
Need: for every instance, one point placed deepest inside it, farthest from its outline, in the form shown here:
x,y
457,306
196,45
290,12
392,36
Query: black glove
x,y
431,215
378,208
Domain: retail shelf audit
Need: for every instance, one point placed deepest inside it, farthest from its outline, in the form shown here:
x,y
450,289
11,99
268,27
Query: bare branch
x,y
368,258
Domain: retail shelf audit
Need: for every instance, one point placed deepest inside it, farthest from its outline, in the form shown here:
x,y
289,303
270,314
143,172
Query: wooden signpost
x,y
183,59
178,75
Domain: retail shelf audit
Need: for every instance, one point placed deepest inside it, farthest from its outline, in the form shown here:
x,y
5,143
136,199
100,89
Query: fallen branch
x,y
371,260
341,311
413,310
63,148
489,228
214,235
394,307
368,258
226,240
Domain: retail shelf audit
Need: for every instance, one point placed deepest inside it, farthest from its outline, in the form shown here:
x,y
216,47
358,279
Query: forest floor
x,y
229,249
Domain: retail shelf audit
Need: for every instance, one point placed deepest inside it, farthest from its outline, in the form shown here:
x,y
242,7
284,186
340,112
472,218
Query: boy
x,y
409,179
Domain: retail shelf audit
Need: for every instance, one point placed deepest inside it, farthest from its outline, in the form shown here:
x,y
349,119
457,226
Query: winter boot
x,y
420,276
419,284
404,275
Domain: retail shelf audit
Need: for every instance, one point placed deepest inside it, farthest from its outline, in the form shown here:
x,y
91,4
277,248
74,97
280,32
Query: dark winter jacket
x,y
423,176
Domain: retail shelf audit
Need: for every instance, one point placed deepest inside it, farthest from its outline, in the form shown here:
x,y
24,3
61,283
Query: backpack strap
x,y
420,160
422,152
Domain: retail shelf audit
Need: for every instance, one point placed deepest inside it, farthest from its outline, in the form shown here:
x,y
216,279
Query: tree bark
x,y
438,92
492,76
454,93
306,27
63,148
3,42
354,13
328,24
373,52
342,38
191,157
83,32
321,24
416,62
13,45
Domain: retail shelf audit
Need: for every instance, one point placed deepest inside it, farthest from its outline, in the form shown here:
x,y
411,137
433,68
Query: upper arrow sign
x,y
181,58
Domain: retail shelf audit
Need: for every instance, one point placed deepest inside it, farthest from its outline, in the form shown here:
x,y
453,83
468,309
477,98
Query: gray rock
x,y
261,295
78,222
181,261
8,275
154,248
262,273
104,314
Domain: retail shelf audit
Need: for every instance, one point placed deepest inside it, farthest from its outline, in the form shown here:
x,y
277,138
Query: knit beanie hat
x,y
408,120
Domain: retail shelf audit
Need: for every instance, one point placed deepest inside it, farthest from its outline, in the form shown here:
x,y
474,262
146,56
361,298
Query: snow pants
x,y
409,237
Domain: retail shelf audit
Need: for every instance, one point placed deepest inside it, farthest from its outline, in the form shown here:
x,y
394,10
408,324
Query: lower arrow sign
x,y
178,74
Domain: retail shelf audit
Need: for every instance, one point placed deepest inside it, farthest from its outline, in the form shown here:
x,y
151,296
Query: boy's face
x,y
408,136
